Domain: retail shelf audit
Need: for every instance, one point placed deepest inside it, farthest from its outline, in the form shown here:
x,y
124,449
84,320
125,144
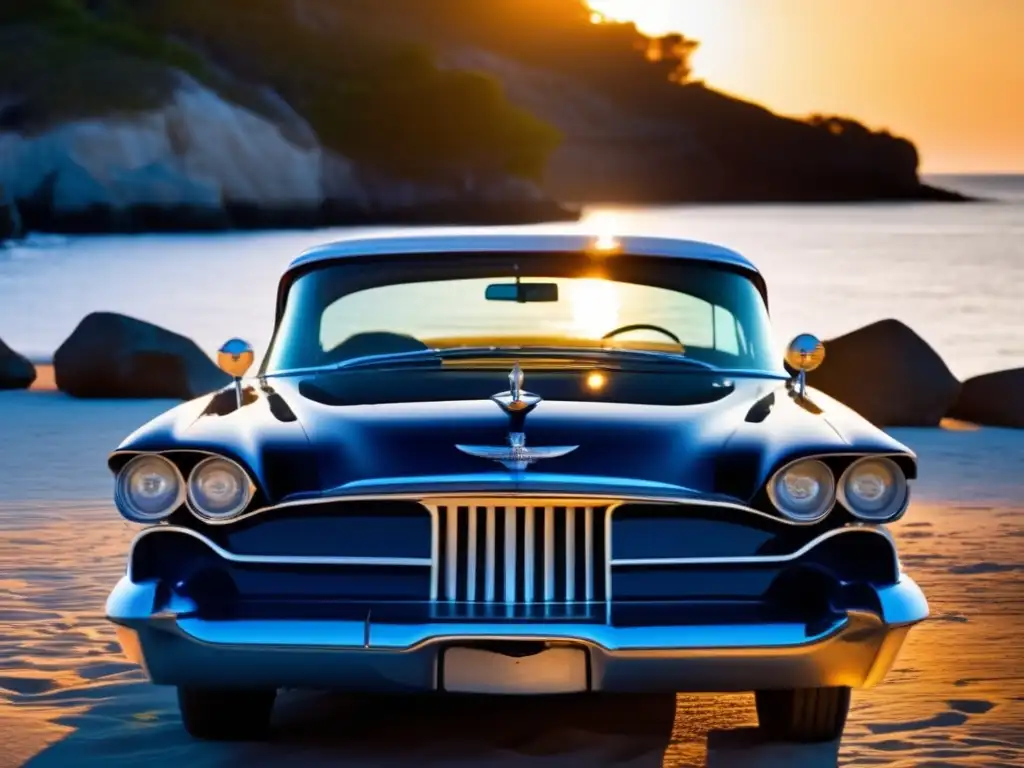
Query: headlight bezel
x,y
122,497
829,502
247,485
901,499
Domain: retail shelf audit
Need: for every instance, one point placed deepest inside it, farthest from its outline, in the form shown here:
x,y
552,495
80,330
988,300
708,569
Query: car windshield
x,y
700,312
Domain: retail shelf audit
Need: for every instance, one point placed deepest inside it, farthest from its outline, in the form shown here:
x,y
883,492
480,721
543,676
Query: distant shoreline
x,y
142,219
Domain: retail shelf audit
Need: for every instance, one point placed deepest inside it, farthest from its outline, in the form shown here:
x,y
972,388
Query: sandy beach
x,y
956,696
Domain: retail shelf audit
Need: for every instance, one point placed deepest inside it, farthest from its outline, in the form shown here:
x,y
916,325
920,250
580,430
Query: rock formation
x,y
112,355
888,374
993,399
15,371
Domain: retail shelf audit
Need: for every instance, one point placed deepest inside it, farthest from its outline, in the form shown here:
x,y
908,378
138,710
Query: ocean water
x,y
953,272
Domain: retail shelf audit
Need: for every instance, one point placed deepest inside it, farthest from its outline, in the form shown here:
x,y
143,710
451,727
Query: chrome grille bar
x,y
588,551
549,554
452,564
570,554
471,556
510,554
569,568
528,546
489,574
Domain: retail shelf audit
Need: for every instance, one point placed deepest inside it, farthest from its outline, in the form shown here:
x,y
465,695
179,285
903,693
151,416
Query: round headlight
x,y
148,488
218,488
803,491
874,489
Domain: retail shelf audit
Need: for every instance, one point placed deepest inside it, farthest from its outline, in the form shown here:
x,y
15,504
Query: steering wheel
x,y
643,327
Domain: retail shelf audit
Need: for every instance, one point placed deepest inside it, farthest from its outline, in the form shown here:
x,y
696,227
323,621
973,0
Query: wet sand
x,y
954,698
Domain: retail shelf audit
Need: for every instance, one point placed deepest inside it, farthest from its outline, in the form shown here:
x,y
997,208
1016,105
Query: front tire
x,y
226,715
803,714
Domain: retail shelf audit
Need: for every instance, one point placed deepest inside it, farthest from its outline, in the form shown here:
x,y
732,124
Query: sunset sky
x,y
948,74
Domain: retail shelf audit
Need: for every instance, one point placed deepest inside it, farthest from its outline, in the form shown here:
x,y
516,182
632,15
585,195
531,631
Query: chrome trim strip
x,y
510,554
757,559
549,554
489,575
904,504
409,637
441,497
276,559
433,561
435,550
608,554
452,561
588,553
570,554
528,555
471,555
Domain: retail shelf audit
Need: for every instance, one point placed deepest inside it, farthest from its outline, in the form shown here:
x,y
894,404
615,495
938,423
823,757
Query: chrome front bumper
x,y
156,631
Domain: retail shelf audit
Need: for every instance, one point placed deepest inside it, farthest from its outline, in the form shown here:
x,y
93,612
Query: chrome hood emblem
x,y
516,456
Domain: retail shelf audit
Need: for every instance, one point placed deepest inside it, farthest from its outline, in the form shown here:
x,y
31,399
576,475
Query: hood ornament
x,y
516,399
516,456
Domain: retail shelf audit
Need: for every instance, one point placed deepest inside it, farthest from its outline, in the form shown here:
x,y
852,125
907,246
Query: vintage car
x,y
515,462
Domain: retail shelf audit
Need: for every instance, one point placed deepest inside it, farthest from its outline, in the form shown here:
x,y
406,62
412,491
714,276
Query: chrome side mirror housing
x,y
235,357
805,353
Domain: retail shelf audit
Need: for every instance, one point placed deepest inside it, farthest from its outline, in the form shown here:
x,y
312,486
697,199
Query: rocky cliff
x,y
128,115
200,161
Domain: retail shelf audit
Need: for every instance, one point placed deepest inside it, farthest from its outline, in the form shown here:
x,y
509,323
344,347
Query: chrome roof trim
x,y
510,240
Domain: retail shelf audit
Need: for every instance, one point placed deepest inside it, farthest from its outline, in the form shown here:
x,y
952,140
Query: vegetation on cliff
x,y
381,101
370,78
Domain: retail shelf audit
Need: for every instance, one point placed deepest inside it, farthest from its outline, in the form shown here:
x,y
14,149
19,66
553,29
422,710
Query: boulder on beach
x,y
112,355
992,400
888,374
15,371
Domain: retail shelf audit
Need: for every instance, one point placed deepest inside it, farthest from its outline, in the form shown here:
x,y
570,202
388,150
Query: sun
x,y
655,17
707,21
595,305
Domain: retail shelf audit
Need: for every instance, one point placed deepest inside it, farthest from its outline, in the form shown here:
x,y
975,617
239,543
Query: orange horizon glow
x,y
946,74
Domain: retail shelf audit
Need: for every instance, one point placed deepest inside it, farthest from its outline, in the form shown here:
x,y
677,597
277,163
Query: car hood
x,y
298,443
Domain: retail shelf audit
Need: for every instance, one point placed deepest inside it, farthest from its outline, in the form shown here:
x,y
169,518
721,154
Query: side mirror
x,y
235,357
804,353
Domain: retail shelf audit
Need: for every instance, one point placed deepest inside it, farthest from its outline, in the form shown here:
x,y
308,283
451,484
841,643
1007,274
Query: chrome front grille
x,y
519,554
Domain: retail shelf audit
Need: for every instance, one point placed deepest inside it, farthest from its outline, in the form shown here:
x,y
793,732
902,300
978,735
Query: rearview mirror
x,y
522,292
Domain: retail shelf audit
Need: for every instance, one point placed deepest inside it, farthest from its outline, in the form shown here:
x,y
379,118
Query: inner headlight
x,y
218,488
148,488
803,491
874,489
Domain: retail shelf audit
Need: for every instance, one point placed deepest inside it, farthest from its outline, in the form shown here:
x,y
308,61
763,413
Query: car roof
x,y
496,240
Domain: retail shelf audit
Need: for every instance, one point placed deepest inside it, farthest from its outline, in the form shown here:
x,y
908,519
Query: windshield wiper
x,y
437,355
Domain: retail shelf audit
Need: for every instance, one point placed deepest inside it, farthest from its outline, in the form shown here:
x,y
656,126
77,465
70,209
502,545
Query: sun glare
x,y
704,20
595,307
